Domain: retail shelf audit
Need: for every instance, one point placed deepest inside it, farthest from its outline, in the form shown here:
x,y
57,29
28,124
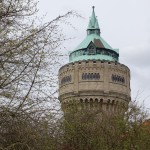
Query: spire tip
x,y
93,7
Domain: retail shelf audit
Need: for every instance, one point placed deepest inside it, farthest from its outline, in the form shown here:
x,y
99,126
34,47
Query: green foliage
x,y
95,130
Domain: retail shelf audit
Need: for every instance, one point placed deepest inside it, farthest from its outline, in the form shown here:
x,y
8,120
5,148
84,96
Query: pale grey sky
x,y
125,24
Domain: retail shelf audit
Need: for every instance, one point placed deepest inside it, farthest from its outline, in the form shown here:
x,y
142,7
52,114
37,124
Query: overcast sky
x,y
124,24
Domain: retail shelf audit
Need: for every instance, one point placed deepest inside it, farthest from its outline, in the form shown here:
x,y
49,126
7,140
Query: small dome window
x,y
91,49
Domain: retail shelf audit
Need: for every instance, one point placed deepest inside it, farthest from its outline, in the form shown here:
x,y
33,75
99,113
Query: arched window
x,y
113,101
81,100
101,100
91,100
112,77
91,76
94,76
88,76
119,78
70,78
115,78
96,100
97,76
123,80
86,100
64,79
67,78
83,76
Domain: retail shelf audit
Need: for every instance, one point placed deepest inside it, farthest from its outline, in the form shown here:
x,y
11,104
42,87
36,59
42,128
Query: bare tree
x,y
28,52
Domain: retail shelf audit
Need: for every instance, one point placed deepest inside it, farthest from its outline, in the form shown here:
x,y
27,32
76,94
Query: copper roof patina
x,y
93,35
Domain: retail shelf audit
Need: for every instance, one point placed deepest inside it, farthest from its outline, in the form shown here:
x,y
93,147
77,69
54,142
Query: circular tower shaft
x,y
95,82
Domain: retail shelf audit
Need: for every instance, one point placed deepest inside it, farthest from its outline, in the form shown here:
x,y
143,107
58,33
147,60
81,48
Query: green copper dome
x,y
93,38
93,47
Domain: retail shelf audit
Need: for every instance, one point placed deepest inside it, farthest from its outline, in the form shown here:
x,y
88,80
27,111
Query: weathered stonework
x,y
103,92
